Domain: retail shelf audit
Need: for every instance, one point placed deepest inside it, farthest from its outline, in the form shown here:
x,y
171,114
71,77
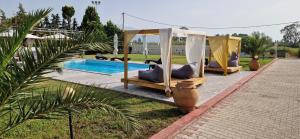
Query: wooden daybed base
x,y
229,69
161,86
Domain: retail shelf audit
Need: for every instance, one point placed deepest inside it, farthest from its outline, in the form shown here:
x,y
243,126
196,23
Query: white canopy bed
x,y
195,53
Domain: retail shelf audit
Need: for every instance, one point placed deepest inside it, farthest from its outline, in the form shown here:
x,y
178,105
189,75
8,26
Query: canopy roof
x,y
30,36
195,49
10,33
176,32
57,36
221,47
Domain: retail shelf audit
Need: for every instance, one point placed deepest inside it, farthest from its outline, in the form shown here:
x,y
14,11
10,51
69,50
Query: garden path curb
x,y
188,118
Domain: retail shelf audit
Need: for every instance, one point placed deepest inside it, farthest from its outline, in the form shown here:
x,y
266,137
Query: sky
x,y
206,13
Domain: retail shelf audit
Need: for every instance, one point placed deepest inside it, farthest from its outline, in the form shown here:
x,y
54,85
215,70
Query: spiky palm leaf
x,y
18,103
258,43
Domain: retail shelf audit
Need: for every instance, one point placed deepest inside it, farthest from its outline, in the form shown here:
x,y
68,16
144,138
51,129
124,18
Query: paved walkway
x,y
268,106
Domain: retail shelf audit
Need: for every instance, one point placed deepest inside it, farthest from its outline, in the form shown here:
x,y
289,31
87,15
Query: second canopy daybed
x,y
222,50
195,53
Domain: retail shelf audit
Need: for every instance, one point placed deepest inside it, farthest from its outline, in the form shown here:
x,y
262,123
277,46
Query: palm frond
x,y
18,104
9,46
5,25
53,104
44,60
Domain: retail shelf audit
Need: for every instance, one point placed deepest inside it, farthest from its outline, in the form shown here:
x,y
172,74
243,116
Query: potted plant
x,y
257,45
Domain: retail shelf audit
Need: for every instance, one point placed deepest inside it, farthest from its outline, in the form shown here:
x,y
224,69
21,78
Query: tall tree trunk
x,y
69,23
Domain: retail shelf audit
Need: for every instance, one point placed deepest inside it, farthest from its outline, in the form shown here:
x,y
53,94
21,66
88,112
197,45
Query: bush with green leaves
x,y
258,43
20,101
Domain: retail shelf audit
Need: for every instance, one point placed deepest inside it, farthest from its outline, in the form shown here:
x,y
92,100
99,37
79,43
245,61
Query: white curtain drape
x,y
145,45
165,36
195,52
116,44
128,36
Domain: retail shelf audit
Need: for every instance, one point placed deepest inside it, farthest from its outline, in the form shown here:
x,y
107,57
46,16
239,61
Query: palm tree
x,y
20,102
258,43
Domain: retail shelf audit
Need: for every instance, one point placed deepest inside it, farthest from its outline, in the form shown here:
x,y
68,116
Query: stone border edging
x,y
186,119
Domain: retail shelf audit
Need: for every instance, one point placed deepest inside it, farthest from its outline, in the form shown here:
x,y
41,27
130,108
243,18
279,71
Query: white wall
x,y
154,49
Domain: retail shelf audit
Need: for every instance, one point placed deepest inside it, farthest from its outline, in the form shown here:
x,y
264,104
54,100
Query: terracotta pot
x,y
254,64
185,96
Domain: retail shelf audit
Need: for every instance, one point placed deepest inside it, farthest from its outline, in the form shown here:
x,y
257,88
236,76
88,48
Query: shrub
x,y
272,51
258,44
292,51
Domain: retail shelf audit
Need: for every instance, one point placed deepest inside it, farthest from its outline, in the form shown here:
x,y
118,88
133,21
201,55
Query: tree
x,y
291,35
63,24
258,43
244,41
111,29
91,20
20,101
2,15
67,13
57,17
46,22
4,23
21,15
75,24
55,21
21,10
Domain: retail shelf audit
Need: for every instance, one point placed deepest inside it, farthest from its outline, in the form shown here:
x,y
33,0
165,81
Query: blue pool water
x,y
106,67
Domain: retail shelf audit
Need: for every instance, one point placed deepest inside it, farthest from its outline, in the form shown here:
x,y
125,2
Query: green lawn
x,y
180,59
177,59
152,115
244,61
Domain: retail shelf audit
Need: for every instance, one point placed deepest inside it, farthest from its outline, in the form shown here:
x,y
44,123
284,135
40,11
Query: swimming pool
x,y
101,66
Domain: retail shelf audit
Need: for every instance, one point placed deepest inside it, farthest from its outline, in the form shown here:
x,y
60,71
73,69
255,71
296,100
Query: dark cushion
x,y
185,72
233,61
154,61
214,64
153,75
120,59
234,56
101,57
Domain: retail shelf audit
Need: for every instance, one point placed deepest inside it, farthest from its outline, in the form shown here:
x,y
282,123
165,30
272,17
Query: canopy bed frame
x,y
220,48
195,51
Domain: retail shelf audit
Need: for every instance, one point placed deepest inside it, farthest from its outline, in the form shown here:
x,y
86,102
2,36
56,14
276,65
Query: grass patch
x,y
176,59
244,61
152,115
180,59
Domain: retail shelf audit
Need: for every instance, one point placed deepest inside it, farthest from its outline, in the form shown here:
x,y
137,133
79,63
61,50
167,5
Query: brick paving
x,y
268,106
